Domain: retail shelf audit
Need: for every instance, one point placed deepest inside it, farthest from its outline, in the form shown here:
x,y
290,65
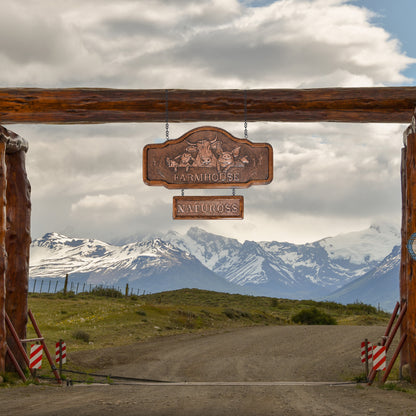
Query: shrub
x,y
313,316
236,314
81,335
106,292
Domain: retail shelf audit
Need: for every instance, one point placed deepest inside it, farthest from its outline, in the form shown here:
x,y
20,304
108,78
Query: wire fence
x,y
56,285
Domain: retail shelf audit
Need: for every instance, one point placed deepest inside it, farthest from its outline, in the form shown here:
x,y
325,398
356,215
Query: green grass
x,y
89,321
103,318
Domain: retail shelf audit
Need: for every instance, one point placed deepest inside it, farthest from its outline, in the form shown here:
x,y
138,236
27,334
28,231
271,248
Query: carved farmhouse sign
x,y
208,207
207,157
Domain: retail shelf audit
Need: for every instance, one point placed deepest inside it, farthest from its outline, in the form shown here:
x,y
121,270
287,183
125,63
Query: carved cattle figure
x,y
205,157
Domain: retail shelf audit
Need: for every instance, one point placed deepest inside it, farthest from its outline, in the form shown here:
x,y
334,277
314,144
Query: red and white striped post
x,y
36,355
366,355
379,358
60,355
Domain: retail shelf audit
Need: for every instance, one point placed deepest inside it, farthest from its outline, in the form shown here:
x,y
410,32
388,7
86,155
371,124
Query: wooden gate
x,y
81,106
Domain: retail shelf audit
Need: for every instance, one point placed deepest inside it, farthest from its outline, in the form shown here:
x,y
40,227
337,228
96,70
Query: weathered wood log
x,y
3,255
18,247
14,143
404,356
94,105
410,283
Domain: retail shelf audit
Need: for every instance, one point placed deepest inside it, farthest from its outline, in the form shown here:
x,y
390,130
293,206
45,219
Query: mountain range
x,y
356,266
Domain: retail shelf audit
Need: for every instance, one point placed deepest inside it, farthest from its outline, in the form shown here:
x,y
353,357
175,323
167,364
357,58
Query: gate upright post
x,y
3,255
404,356
17,240
409,276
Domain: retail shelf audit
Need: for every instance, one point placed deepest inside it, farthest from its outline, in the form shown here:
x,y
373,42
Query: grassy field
x,y
97,320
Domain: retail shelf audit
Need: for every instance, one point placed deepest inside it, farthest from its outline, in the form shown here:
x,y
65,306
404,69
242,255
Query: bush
x,y
81,335
313,316
236,314
106,292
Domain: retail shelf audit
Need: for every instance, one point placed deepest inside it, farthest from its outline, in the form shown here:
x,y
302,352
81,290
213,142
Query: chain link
x,y
167,113
245,115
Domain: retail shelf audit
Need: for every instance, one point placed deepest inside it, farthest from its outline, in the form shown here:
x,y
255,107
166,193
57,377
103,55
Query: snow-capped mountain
x,y
379,286
290,270
152,265
203,260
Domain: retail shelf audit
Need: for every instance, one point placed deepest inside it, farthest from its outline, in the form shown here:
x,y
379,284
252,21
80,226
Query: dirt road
x,y
289,370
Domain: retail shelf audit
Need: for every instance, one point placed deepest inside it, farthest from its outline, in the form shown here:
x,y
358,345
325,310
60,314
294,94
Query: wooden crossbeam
x,y
100,105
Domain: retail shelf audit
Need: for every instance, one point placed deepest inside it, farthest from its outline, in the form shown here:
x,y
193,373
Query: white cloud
x,y
328,177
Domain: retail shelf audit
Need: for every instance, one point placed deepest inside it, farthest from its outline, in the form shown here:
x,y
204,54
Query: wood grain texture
x,y
3,255
98,105
18,247
410,267
404,356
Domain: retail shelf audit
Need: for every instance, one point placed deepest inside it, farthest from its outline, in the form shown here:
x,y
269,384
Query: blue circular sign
x,y
411,246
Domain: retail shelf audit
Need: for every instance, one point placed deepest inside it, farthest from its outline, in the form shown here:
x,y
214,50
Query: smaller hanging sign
x,y
208,207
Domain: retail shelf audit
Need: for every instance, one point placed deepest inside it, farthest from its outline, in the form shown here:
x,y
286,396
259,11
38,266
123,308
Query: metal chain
x,y
167,113
245,115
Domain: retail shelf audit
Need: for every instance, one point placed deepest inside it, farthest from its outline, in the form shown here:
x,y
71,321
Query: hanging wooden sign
x,y
208,207
207,157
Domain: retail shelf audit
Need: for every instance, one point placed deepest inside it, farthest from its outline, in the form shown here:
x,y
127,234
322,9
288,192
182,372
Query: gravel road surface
x,y
282,370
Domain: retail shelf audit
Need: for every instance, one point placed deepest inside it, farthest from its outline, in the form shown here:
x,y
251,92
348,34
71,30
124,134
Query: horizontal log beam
x,y
99,105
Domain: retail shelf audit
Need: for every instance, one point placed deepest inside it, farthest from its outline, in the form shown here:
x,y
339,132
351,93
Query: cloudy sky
x,y
329,177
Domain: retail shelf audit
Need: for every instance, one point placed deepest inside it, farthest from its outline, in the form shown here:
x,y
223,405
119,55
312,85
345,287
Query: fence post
x,y
66,284
127,289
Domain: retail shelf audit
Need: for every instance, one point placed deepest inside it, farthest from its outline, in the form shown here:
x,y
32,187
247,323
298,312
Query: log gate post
x,y
408,265
15,210
3,256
